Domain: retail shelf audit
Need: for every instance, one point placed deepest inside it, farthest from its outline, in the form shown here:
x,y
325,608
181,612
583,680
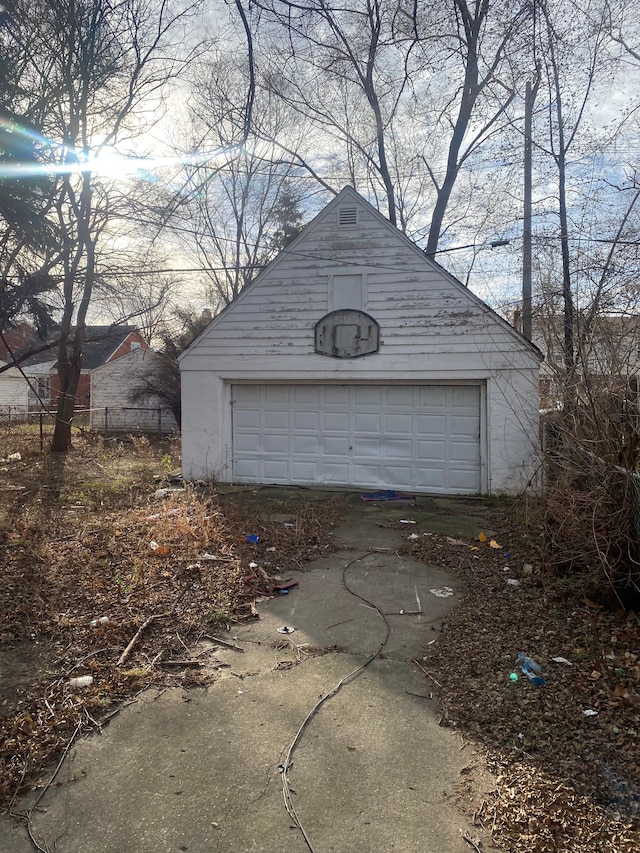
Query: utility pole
x,y
526,231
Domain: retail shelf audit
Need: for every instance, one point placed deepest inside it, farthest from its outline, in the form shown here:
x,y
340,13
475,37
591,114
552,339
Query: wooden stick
x,y
470,841
125,654
182,663
428,674
224,643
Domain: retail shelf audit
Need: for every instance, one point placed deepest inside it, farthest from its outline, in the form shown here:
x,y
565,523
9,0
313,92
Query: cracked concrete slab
x,y
374,772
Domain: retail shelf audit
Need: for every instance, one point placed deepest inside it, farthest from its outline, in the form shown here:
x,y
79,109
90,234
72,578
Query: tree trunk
x,y
69,370
72,341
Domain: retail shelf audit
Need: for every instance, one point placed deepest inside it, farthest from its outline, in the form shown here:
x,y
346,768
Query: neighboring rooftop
x,y
100,344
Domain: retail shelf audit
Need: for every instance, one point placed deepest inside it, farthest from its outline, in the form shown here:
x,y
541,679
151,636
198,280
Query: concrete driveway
x,y
371,771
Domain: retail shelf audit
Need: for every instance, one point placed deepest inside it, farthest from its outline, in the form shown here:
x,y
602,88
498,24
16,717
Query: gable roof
x,y
348,195
100,344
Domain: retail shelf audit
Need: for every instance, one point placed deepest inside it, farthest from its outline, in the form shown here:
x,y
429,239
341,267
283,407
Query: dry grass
x,y
75,542
84,538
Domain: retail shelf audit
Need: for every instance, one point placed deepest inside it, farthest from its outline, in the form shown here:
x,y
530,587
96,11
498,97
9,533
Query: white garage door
x,y
392,437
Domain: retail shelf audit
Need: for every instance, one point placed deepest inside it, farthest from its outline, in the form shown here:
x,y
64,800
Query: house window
x,y
347,216
135,345
43,388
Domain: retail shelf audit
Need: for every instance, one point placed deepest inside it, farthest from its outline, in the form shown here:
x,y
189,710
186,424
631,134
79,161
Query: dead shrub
x,y
591,522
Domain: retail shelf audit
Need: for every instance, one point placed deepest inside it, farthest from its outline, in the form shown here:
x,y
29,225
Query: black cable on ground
x,y
286,765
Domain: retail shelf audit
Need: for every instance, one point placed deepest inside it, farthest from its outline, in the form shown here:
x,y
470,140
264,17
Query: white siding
x,y
432,330
14,392
111,387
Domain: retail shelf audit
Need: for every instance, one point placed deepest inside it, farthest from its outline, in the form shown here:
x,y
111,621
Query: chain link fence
x,y
107,420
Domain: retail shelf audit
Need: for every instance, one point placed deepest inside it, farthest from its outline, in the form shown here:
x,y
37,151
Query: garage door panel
x,y
336,421
336,472
432,395
276,394
431,451
465,451
247,470
305,472
465,396
276,443
306,421
247,393
461,479
310,394
336,445
463,425
398,449
368,396
431,478
305,444
247,419
276,420
406,437
336,394
399,424
369,474
274,471
369,447
402,476
367,422
400,396
249,442
432,425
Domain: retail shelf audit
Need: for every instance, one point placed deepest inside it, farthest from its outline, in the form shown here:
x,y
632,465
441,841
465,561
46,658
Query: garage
x,y
424,437
355,360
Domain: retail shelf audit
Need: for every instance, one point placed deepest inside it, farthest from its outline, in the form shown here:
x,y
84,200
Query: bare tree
x,y
573,56
94,65
400,96
482,34
143,295
233,210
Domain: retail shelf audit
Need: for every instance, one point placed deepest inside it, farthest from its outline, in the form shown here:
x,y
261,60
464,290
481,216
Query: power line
x,y
499,243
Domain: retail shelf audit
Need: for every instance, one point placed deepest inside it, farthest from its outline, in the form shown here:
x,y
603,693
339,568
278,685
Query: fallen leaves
x,y
93,583
567,782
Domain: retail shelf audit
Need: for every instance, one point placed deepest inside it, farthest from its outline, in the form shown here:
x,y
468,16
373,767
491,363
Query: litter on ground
x,y
388,495
442,592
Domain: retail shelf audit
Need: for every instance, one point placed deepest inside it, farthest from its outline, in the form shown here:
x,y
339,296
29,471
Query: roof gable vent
x,y
347,216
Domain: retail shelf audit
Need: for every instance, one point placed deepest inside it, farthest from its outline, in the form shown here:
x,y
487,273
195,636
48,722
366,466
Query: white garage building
x,y
355,360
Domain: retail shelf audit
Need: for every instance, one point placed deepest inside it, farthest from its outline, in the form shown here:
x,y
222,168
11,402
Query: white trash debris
x,y
160,494
513,582
81,681
285,629
442,592
590,713
562,660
